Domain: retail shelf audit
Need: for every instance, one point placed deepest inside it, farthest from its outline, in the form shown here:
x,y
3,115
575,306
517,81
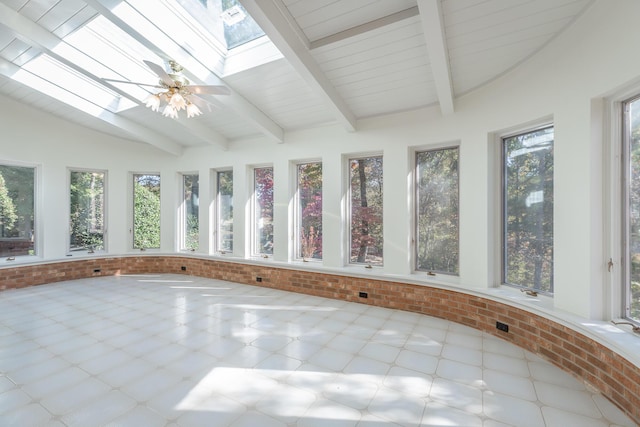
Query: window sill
x,y
20,260
86,254
619,338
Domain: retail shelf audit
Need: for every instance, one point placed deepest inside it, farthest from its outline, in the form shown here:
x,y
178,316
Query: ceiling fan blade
x,y
209,90
160,72
202,103
131,83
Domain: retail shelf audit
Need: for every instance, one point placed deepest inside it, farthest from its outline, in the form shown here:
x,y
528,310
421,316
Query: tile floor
x,y
176,350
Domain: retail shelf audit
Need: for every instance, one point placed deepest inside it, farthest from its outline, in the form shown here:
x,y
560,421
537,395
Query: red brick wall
x,y
615,376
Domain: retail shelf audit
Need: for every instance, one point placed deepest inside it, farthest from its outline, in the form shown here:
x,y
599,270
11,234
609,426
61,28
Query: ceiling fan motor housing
x,y
176,75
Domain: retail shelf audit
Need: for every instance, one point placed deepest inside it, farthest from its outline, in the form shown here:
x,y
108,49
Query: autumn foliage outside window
x,y
309,222
263,214
365,221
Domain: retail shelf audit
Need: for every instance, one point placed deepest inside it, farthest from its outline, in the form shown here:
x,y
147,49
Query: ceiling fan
x,y
177,92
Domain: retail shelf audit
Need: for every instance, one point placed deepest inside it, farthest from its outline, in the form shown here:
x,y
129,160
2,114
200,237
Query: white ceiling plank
x,y
373,54
280,29
382,54
548,21
281,91
301,8
342,15
235,101
369,26
433,26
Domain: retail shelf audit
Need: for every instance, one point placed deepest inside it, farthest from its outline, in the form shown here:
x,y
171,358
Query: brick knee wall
x,y
616,377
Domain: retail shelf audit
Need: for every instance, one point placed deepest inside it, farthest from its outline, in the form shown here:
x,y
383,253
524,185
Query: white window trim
x,y
609,113
105,238
496,199
613,188
413,152
253,232
130,206
346,215
615,206
295,211
181,214
214,210
38,219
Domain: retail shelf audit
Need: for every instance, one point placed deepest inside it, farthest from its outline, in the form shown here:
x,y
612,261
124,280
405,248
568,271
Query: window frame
x,y
297,211
38,226
415,216
131,201
182,214
349,208
254,236
105,210
624,172
217,221
503,203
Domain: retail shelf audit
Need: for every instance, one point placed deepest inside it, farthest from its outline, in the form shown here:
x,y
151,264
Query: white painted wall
x,y
55,146
564,82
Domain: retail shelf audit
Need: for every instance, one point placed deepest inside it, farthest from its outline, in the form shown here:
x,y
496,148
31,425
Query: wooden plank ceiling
x,y
334,61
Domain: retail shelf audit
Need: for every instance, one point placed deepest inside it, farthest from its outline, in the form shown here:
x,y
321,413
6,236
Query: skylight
x,y
66,84
226,19
198,34
108,52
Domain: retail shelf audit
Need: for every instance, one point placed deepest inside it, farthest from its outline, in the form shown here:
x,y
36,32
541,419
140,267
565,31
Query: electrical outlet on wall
x,y
502,326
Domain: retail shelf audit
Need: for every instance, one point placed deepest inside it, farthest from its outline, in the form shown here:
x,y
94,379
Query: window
x,y
527,239
224,211
263,213
86,210
309,211
437,210
225,18
631,220
146,211
17,211
365,217
189,212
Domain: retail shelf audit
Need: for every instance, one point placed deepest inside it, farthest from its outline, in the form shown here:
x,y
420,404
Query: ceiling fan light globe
x,y
178,102
193,110
170,111
153,102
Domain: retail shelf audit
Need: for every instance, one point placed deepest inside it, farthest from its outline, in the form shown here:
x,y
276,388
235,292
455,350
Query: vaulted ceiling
x,y
320,61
